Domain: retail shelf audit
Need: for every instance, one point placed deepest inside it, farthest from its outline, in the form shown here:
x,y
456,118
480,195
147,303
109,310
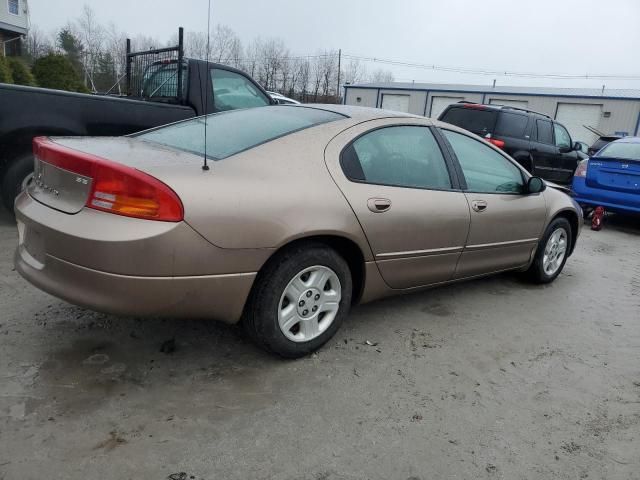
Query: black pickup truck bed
x,y
27,112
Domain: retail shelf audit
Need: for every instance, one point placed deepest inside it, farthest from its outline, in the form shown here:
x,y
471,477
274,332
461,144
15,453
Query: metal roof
x,y
505,90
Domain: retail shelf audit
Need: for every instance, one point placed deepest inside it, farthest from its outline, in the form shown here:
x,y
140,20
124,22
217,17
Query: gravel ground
x,y
489,379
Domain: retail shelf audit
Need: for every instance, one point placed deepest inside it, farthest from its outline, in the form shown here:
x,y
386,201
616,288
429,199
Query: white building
x,y
14,25
609,111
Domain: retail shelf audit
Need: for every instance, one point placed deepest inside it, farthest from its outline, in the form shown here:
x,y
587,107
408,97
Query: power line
x,y
507,73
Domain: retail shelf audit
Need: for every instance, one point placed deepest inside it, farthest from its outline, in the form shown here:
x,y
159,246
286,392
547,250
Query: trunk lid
x,y
66,185
614,174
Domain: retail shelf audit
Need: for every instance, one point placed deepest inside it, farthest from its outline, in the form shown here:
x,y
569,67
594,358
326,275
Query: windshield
x,y
622,150
232,132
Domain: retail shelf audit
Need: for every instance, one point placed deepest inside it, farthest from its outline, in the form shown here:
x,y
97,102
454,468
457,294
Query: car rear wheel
x,y
16,179
552,252
299,300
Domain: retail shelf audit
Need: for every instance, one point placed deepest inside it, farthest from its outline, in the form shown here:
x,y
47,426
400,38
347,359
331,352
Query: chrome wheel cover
x,y
309,304
555,251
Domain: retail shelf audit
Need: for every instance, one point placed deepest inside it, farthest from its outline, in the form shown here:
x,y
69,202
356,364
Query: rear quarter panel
x,y
267,196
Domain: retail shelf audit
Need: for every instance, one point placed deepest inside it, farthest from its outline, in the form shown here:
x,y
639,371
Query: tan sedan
x,y
301,212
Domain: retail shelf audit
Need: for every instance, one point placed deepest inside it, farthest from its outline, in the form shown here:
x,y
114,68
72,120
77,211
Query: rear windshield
x,y
232,132
475,120
622,150
511,125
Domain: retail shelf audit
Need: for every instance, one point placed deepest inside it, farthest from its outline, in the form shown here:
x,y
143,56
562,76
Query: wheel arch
x,y
572,218
344,246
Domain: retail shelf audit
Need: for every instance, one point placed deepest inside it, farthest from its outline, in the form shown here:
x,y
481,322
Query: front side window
x,y
232,132
14,7
485,170
232,91
544,132
563,140
402,156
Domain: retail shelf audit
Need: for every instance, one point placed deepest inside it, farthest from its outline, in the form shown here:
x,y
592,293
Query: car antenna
x,y
205,166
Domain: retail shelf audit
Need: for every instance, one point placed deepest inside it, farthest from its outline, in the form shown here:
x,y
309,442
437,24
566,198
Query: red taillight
x,y
581,171
115,188
494,141
477,106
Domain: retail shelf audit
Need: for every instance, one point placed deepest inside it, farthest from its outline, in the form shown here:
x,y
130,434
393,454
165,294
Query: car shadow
x,y
622,223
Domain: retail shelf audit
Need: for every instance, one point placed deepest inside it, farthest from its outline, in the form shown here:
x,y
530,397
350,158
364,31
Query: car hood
x,y
562,188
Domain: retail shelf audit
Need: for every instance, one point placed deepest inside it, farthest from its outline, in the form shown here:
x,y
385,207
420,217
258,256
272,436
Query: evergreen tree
x,y
72,47
56,71
5,72
20,72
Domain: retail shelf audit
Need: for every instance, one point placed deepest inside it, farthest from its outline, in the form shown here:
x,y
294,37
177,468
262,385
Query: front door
x,y
398,183
505,223
568,157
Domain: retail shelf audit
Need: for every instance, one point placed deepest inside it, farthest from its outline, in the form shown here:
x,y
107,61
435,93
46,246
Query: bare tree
x,y
382,76
354,72
38,43
91,34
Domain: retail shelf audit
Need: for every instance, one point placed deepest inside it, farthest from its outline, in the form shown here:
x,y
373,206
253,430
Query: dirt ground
x,y
490,379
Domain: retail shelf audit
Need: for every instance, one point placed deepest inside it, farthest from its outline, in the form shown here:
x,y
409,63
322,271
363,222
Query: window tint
x,y
511,125
401,156
477,121
232,91
232,132
544,132
562,136
622,150
484,169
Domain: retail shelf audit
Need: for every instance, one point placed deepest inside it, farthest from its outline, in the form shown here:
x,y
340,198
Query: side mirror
x,y
577,146
536,185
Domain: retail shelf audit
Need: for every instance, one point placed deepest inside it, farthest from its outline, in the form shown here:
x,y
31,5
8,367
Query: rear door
x,y
400,186
544,151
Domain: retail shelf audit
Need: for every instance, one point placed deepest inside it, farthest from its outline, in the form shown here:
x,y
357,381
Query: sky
x,y
539,36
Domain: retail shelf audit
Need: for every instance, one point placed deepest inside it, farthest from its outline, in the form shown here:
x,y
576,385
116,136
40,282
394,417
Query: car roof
x,y
627,140
357,113
497,108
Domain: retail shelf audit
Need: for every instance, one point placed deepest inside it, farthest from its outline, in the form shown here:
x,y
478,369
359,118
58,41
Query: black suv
x,y
541,145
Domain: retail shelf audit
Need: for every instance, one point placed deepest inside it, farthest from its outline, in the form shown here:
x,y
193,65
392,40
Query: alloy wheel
x,y
309,304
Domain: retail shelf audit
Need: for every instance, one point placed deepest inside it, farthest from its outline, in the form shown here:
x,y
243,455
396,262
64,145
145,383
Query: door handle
x,y
379,205
479,205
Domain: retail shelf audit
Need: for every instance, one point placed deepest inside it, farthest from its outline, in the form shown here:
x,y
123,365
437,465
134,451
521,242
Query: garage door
x,y
397,103
438,104
575,115
509,103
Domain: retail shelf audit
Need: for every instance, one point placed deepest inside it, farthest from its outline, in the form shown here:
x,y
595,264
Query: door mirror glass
x,y
536,185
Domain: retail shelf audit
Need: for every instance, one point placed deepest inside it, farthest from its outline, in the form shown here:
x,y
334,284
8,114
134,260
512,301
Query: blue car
x,y
611,177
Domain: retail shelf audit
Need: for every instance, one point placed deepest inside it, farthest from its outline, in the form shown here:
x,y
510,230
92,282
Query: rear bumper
x,y
216,297
611,200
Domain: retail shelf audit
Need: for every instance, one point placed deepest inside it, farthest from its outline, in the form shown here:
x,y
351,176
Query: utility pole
x,y
339,66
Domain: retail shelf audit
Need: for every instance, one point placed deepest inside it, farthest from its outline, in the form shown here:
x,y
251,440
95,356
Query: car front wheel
x,y
552,252
299,300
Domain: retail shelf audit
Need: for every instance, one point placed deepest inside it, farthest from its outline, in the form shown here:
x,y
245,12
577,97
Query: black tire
x,y
536,272
19,169
260,319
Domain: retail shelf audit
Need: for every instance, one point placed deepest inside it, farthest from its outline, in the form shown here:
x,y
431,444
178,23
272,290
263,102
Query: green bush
x,y
56,71
20,72
5,72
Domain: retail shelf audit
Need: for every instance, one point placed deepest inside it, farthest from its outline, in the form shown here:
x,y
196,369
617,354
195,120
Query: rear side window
x,y
475,120
544,132
232,132
402,156
511,125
